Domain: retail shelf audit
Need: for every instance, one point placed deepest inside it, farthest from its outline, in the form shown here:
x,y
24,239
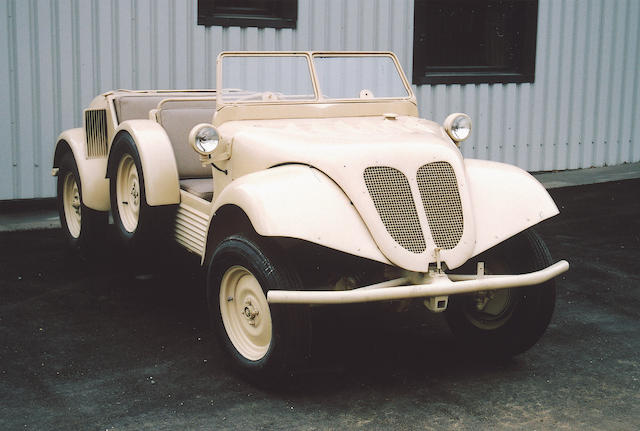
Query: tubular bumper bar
x,y
434,285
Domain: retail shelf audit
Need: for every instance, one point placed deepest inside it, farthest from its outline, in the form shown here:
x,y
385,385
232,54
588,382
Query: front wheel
x,y
505,322
264,342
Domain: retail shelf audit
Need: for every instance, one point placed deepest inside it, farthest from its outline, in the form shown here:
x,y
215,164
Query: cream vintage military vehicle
x,y
307,178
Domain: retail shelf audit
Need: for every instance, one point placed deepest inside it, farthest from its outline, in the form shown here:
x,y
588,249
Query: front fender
x,y
506,200
301,202
161,185
94,185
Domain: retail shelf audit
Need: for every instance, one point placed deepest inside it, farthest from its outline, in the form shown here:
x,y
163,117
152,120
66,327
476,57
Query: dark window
x,y
248,13
474,41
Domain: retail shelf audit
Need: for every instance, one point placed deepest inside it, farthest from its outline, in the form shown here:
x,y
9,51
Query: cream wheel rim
x,y
490,310
245,313
496,310
128,192
72,205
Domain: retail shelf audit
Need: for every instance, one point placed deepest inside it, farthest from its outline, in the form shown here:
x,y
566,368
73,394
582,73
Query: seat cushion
x,y
177,112
201,187
178,122
135,106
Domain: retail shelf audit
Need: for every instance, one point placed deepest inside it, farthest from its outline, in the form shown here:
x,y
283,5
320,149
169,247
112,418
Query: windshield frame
x,y
309,55
387,54
220,90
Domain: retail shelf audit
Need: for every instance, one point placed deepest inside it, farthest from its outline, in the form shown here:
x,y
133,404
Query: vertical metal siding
x,y
57,55
582,110
7,156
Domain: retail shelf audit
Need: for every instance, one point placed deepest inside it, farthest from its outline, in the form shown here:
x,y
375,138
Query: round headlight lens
x,y
207,139
458,126
461,127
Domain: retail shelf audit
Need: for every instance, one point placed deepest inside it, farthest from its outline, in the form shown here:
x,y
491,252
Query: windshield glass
x,y
256,77
358,77
266,78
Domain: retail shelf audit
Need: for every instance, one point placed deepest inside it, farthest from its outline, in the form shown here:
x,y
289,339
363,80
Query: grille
x,y
439,192
95,121
391,195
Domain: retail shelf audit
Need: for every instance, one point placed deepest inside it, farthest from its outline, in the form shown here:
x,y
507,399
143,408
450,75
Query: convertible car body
x,y
312,157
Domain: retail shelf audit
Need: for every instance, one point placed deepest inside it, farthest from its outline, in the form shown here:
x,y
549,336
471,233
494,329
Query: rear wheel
x,y
263,341
505,322
137,223
83,227
127,185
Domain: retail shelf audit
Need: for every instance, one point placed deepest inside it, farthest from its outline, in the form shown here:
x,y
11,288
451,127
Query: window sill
x,y
246,21
473,78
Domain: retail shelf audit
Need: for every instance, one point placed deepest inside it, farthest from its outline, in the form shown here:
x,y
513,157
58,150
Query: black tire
x,y
146,226
83,227
290,324
521,315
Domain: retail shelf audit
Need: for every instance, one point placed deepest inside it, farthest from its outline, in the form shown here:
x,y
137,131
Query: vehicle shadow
x,y
385,350
379,345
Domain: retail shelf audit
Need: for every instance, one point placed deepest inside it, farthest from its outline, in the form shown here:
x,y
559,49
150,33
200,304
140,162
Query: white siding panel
x,y
124,55
161,44
577,79
626,102
566,64
57,55
523,124
617,84
590,105
66,108
180,59
7,176
604,85
507,148
45,107
633,67
24,93
85,59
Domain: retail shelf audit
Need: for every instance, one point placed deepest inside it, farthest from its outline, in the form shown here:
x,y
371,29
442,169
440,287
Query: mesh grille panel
x,y
95,121
391,195
439,191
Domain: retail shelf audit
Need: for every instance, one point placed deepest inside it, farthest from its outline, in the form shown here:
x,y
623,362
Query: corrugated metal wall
x,y
583,109
57,54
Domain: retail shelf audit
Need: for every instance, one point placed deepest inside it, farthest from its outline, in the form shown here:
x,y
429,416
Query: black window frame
x,y
280,14
523,71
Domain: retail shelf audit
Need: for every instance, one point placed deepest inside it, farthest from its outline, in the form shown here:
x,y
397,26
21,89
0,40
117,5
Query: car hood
x,y
322,143
349,149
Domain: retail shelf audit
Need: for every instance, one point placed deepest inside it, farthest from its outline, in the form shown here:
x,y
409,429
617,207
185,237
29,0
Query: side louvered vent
x,y
391,195
439,191
190,229
95,121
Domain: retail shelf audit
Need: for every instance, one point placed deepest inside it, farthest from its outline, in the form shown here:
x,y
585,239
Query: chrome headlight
x,y
458,126
204,138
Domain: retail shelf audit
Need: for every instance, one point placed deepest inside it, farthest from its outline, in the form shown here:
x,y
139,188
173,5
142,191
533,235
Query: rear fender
x,y
298,201
506,200
94,185
159,167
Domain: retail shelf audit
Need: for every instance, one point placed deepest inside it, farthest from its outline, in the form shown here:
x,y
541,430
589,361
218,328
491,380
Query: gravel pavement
x,y
95,346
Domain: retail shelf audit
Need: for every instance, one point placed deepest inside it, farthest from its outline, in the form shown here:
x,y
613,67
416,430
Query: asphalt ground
x,y
109,346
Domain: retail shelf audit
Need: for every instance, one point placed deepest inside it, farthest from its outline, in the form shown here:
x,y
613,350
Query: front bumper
x,y
433,284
